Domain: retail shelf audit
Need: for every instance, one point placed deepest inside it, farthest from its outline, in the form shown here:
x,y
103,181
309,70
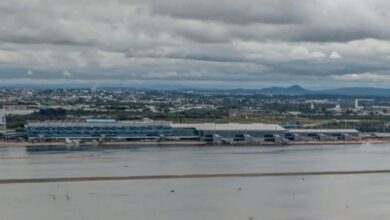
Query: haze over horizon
x,y
221,44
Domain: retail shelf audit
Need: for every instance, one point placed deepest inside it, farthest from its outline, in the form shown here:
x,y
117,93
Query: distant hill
x,y
298,90
292,90
357,91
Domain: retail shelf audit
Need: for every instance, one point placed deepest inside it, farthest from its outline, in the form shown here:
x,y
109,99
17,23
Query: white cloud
x,y
66,73
30,72
368,76
303,53
335,55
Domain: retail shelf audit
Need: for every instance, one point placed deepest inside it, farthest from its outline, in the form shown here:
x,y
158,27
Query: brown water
x,y
291,197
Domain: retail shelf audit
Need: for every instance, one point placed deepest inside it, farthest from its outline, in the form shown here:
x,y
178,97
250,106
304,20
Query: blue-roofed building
x,y
100,120
97,128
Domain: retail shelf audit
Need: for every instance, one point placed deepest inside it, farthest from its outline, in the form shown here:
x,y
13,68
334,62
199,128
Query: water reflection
x,y
44,149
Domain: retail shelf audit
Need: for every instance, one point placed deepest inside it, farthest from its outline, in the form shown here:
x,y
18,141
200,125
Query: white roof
x,y
231,127
323,131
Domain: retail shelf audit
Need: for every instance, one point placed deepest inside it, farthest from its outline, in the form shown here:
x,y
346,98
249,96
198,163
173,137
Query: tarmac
x,y
190,176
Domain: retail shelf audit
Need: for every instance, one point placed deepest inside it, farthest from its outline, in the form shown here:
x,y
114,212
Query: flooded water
x,y
362,196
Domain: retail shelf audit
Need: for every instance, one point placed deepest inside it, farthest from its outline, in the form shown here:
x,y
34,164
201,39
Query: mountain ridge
x,y
298,90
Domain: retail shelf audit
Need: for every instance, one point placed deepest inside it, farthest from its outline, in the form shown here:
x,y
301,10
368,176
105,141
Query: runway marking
x,y
188,176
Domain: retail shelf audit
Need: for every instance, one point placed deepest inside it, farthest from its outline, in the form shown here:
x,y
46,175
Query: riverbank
x,y
186,143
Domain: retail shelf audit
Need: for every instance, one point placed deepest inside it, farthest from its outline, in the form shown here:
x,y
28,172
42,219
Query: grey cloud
x,y
182,41
287,20
231,11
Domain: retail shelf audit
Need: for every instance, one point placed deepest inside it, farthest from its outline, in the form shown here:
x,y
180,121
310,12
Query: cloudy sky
x,y
196,43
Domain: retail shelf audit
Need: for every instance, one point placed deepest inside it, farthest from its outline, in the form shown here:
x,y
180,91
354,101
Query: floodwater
x,y
360,196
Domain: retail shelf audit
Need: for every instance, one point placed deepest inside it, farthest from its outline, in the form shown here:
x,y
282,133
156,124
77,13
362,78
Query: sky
x,y
196,43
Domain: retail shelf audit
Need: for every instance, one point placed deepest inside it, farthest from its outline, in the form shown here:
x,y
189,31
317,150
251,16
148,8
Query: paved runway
x,y
189,176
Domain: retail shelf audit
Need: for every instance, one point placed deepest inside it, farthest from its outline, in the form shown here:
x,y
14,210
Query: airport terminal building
x,y
139,130
107,129
229,132
97,128
322,134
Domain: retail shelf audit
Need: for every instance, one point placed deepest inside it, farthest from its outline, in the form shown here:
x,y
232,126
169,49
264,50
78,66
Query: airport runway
x,y
189,176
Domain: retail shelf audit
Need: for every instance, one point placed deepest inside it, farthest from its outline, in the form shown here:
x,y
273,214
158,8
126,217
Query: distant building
x,y
15,109
3,123
361,103
337,110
